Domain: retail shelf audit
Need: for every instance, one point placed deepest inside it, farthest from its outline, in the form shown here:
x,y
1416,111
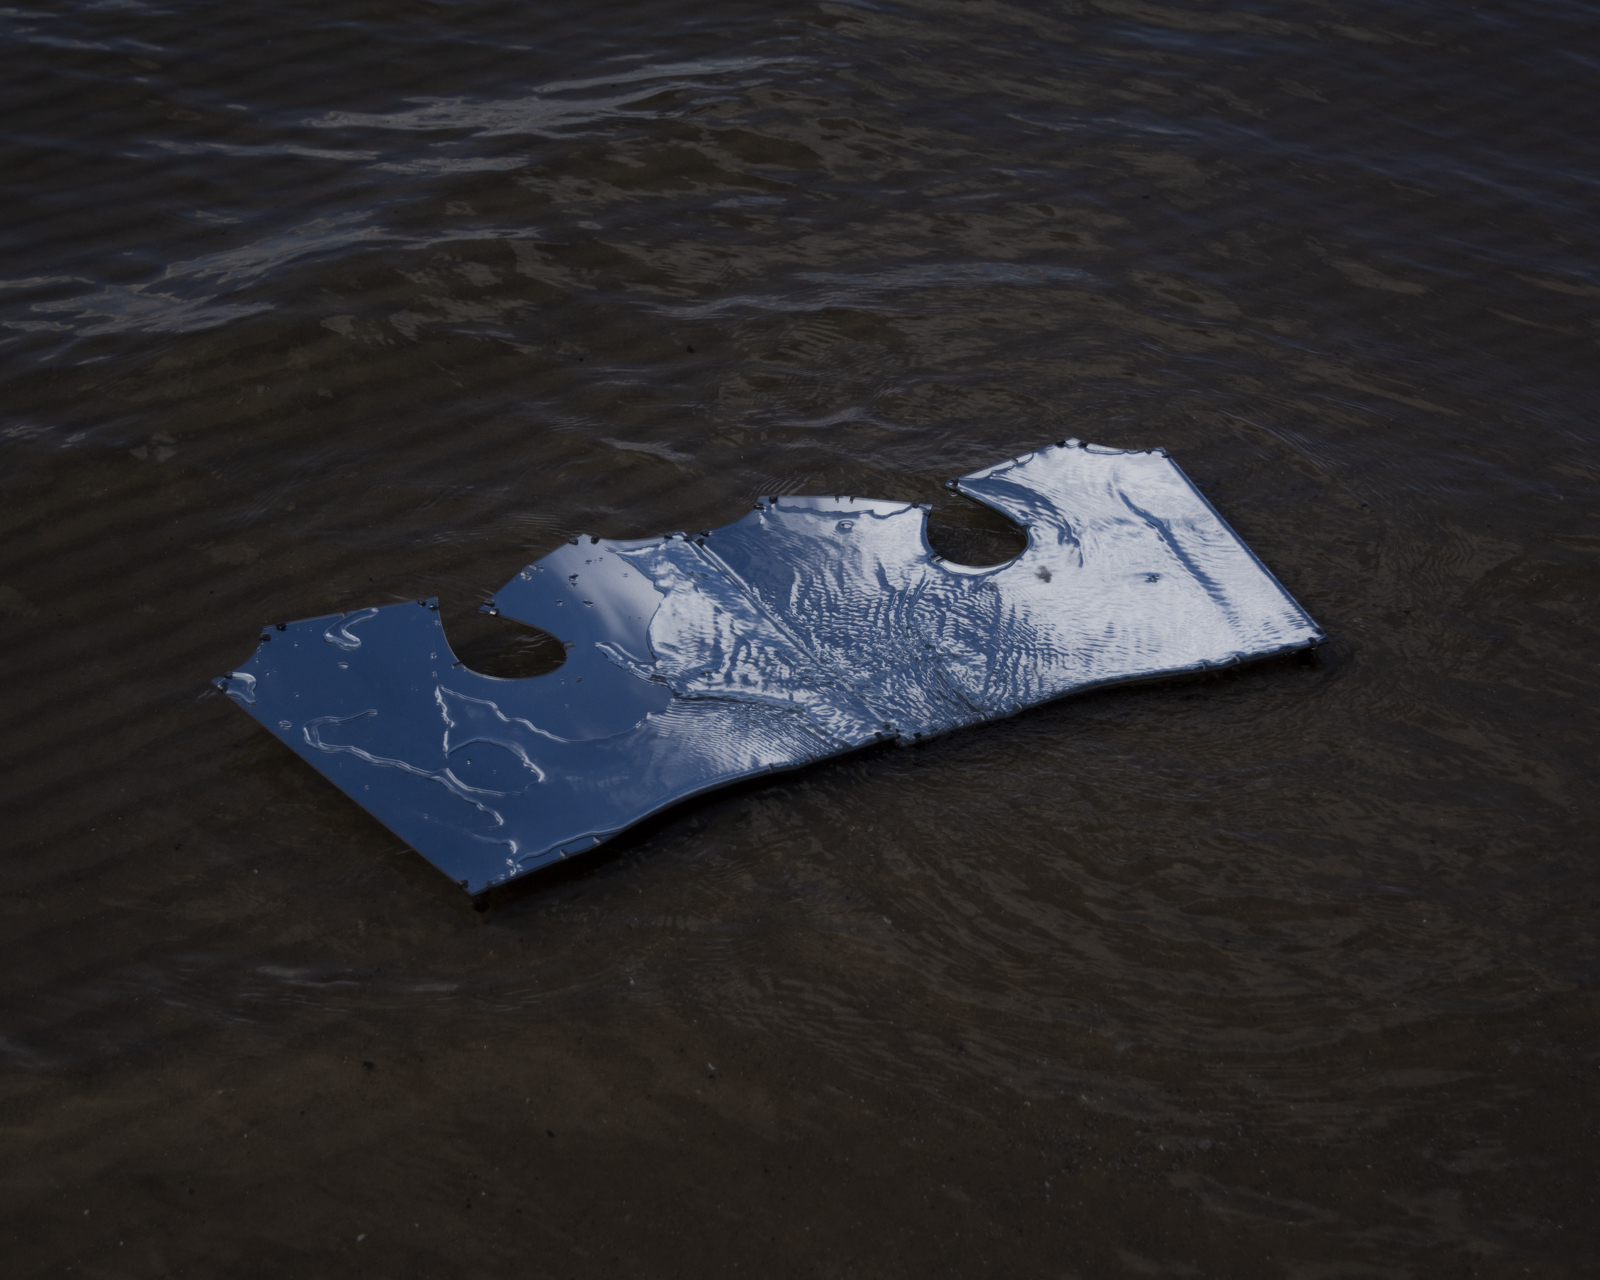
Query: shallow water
x,y
1283,972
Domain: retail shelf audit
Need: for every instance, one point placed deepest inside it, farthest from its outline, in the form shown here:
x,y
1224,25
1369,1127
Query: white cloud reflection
x,y
541,113
188,296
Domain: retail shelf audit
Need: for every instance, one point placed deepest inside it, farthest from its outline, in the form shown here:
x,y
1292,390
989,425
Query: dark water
x,y
1287,972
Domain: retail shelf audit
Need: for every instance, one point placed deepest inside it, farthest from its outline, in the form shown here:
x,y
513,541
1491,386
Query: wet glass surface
x,y
1283,971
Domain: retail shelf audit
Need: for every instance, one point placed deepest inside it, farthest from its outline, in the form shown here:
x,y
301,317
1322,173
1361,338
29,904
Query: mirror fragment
x,y
811,627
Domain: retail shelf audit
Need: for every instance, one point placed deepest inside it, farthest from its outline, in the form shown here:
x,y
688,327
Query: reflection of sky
x,y
190,295
166,305
540,113
169,304
17,25
859,289
260,151
451,164
133,309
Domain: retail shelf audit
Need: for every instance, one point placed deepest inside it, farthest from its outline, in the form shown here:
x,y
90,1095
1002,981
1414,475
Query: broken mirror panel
x,y
811,627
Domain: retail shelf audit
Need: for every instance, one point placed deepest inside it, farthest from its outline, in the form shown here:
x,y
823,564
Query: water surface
x,y
1284,972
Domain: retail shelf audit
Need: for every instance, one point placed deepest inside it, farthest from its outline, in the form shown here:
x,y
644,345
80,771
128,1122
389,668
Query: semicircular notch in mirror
x,y
966,532
494,645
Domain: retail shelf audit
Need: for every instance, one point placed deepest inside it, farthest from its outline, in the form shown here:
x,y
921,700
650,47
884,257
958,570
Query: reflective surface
x,y
1284,970
811,627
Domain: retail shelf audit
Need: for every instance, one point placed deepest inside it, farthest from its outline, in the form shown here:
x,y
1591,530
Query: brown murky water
x,y
1285,972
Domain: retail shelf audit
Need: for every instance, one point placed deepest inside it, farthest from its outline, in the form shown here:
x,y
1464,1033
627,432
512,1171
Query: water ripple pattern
x,y
315,307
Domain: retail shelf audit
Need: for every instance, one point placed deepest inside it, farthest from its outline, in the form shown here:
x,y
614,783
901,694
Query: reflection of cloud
x,y
161,306
119,309
940,275
859,288
251,261
193,294
38,282
457,164
257,151
663,451
147,308
483,119
13,31
538,113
